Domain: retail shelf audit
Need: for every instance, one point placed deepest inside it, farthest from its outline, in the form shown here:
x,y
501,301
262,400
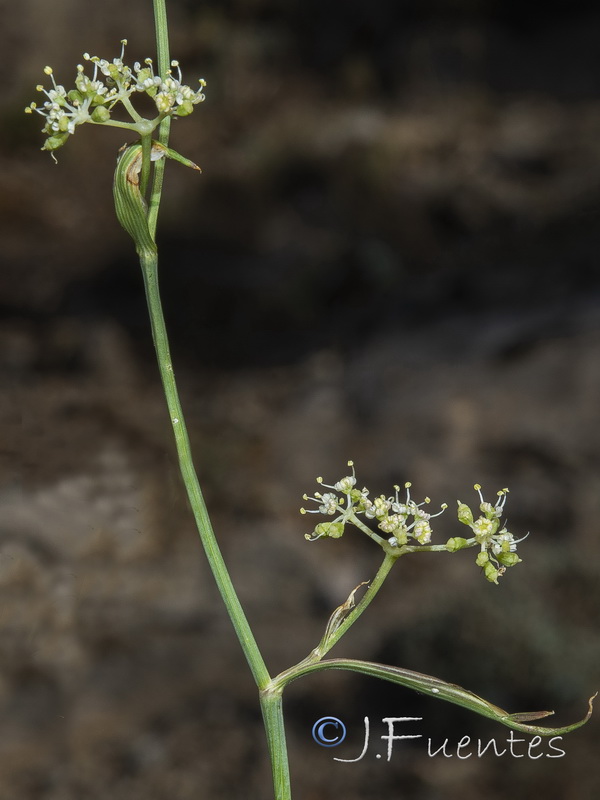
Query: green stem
x,y
163,64
162,36
332,637
113,123
149,263
129,106
358,523
272,711
157,178
365,601
432,548
271,703
146,164
392,554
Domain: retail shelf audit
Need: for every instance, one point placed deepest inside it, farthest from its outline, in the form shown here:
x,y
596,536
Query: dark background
x,y
390,256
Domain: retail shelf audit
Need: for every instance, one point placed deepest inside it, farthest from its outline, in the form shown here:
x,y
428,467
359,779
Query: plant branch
x,y
375,585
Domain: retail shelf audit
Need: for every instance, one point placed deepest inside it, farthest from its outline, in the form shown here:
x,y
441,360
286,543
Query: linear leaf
x,y
449,692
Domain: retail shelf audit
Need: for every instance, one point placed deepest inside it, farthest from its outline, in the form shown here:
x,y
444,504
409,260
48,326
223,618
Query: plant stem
x,y
146,164
162,36
272,711
149,263
163,63
129,106
374,586
271,702
329,640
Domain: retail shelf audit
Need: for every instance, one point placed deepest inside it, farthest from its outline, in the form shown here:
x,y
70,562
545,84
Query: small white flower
x,y
175,97
422,532
380,508
498,550
483,528
392,524
329,503
505,542
346,484
392,514
93,98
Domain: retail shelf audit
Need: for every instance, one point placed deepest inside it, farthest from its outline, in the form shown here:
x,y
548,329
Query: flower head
x,y
174,97
94,97
497,546
392,521
399,519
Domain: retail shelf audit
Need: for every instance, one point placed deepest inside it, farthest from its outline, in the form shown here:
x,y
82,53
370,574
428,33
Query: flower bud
x,y
482,558
54,142
465,515
163,102
75,97
490,572
332,529
508,559
185,109
100,114
456,543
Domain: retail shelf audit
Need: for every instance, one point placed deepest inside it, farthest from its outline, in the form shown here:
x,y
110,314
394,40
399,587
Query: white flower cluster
x,y
93,99
402,519
397,519
498,547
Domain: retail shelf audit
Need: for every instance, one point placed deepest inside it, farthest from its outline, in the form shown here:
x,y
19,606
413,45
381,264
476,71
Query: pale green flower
x,y
497,548
392,514
93,98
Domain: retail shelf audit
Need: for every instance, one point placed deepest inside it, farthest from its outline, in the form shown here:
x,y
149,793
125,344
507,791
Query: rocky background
x,y
391,256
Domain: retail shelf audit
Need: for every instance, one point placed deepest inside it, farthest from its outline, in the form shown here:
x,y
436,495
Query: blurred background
x,y
391,256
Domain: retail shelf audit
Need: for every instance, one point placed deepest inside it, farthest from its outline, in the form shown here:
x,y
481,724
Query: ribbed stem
x,y
149,263
272,710
163,63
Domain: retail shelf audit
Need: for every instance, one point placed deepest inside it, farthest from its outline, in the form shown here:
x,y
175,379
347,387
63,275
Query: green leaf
x,y
130,206
449,692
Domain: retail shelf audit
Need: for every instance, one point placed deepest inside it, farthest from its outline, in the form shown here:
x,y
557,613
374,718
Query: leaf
x,y
449,692
528,716
340,614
